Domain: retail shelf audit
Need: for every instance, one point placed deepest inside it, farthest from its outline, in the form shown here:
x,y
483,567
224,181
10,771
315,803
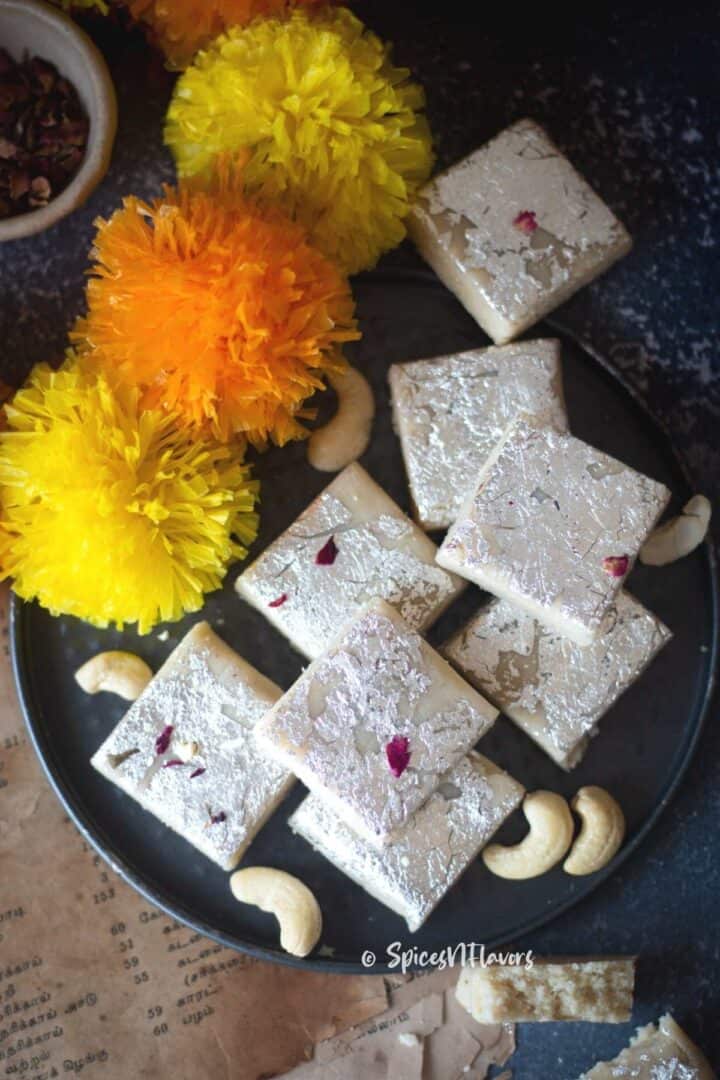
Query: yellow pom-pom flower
x,y
330,129
184,26
219,312
110,512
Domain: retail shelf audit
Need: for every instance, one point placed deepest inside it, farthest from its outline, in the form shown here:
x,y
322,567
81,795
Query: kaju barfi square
x,y
186,750
594,989
659,1051
555,690
373,725
433,848
554,527
351,544
449,413
514,230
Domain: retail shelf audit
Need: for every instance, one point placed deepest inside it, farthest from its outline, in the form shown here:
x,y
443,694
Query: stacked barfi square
x,y
380,728
552,530
351,544
186,750
450,412
555,690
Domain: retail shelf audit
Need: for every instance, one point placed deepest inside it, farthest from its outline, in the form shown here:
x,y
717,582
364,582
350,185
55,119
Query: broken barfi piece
x,y
351,544
186,749
659,1051
451,411
374,724
434,847
554,527
554,689
514,230
597,989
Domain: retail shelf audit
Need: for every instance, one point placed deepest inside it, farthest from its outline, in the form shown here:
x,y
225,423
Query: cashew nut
x,y
550,836
679,536
291,902
601,833
118,672
347,435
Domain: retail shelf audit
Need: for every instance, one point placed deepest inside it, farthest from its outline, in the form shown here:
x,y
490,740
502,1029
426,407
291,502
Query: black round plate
x,y
644,745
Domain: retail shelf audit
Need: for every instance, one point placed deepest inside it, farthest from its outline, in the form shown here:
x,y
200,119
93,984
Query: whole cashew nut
x,y
679,536
118,672
601,833
292,903
347,435
550,836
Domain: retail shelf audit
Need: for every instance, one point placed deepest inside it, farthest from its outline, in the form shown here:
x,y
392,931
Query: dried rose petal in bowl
x,y
58,117
43,134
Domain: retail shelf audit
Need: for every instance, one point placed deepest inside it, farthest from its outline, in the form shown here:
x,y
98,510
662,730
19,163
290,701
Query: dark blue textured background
x,y
632,95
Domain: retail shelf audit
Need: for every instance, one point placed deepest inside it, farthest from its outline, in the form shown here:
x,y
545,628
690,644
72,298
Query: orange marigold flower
x,y
184,26
219,311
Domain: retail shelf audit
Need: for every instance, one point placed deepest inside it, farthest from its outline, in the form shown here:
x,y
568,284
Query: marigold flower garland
x,y
217,311
110,512
331,130
184,26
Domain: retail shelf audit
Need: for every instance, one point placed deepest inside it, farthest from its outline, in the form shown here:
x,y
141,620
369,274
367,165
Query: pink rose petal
x,y
616,565
327,554
163,740
279,601
526,221
198,772
172,762
398,754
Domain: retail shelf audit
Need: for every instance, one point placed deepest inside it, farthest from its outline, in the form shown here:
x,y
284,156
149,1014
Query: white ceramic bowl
x,y
40,30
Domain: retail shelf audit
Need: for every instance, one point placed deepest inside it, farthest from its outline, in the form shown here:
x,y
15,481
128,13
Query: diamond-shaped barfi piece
x,y
374,724
186,748
434,847
351,544
661,1051
554,526
514,230
451,411
553,689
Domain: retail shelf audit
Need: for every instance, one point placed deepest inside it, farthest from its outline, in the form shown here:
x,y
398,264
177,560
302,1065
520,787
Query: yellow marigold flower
x,y
110,512
219,312
330,128
184,26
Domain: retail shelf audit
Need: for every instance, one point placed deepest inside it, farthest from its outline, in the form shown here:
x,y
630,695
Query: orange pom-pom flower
x,y
184,26
218,311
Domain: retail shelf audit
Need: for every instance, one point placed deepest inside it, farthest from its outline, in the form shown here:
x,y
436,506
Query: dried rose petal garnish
x,y
279,601
398,754
526,221
616,565
43,133
163,740
217,819
328,553
198,772
173,761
